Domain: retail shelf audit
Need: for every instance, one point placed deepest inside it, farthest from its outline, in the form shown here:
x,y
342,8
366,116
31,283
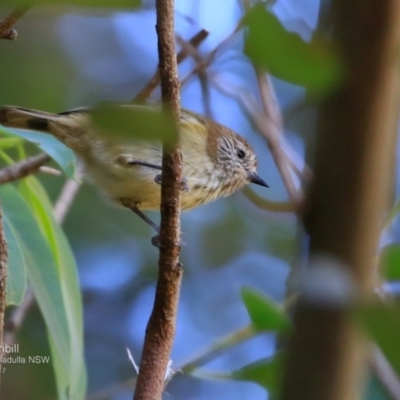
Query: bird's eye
x,y
241,154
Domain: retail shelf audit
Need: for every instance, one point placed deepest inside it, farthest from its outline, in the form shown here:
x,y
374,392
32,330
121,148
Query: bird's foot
x,y
155,241
183,185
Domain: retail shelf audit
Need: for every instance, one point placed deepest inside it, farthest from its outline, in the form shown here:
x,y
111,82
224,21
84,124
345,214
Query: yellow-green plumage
x,y
216,161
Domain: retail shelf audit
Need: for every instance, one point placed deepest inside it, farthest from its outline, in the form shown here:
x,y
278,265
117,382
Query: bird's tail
x,y
67,127
24,118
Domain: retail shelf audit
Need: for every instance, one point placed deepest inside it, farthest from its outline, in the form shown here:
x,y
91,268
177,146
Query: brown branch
x,y
204,84
6,31
23,168
3,282
266,204
211,56
160,330
145,93
353,173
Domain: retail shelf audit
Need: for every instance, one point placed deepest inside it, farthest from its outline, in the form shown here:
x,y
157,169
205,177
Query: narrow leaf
x,y
68,284
286,55
61,154
266,372
265,314
134,122
41,271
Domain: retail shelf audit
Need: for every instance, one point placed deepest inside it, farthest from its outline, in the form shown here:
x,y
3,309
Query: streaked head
x,y
238,160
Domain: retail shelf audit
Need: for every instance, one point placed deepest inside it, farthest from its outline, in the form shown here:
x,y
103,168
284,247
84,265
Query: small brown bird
x,y
216,161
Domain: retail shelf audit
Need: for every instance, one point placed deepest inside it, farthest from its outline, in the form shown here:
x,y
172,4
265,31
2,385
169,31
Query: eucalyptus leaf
x,y
265,314
126,122
266,372
60,153
286,55
41,271
73,380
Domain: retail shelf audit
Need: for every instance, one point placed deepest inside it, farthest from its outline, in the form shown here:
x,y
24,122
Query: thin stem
x,y
6,31
211,352
23,168
148,89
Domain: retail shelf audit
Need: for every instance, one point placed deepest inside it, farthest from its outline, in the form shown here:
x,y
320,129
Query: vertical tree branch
x,y
353,174
3,282
160,330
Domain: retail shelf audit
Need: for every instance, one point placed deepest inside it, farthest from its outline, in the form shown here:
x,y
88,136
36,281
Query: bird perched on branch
x,y
216,161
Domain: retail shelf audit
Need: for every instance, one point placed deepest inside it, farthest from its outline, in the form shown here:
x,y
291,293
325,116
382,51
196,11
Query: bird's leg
x,y
184,185
133,206
145,218
155,240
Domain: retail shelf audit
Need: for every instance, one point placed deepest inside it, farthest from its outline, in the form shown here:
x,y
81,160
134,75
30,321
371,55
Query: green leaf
x,y
60,153
390,262
267,372
42,275
286,55
20,247
70,371
265,314
382,323
134,122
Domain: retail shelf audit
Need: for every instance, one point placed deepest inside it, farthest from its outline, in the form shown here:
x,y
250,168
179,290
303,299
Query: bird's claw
x,y
183,185
155,241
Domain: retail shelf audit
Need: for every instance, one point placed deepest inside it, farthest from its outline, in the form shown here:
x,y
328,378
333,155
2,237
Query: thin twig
x,y
65,200
6,31
211,352
272,130
160,330
148,89
23,168
266,204
211,56
50,170
205,87
17,317
385,373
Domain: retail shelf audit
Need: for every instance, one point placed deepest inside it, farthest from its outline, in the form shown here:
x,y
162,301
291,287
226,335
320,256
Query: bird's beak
x,y
254,178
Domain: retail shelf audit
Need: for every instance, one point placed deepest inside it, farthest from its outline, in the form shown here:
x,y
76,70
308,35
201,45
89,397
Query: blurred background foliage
x,y
67,57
